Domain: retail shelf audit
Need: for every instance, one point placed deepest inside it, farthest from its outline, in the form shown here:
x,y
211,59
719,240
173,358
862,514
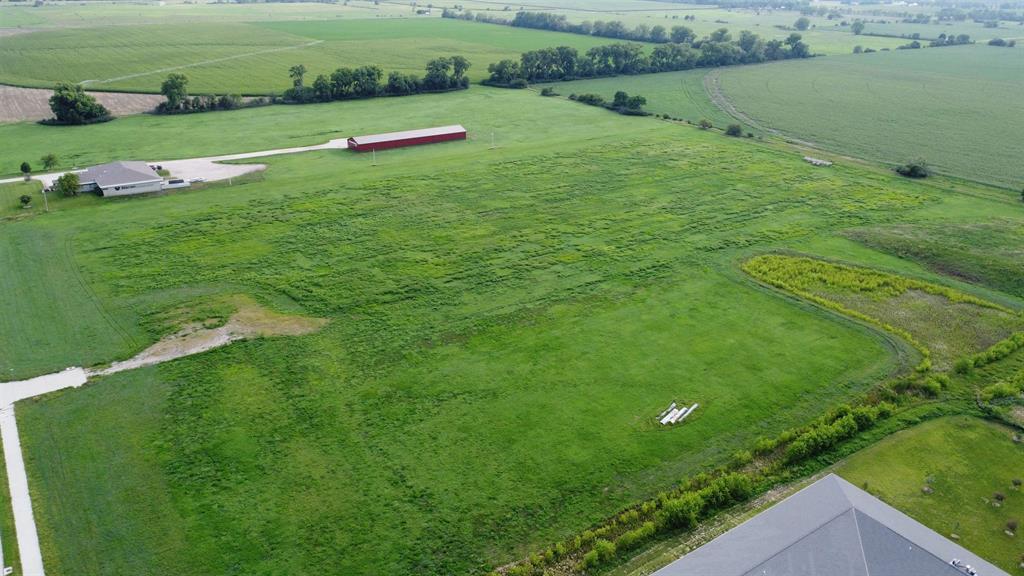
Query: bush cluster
x,y
950,40
72,106
824,435
914,169
622,103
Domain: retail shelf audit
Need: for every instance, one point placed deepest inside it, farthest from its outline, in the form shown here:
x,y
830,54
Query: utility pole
x,y
45,202
373,151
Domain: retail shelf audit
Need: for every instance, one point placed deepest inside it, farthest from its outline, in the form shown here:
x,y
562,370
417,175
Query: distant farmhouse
x,y
120,179
406,138
830,528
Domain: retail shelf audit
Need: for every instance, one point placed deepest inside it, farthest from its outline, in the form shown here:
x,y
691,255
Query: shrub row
x,y
994,353
622,103
931,386
207,103
699,498
845,423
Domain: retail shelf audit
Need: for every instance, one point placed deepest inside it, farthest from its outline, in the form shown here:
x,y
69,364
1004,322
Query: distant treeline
x,y
981,15
718,49
442,75
950,40
558,23
942,40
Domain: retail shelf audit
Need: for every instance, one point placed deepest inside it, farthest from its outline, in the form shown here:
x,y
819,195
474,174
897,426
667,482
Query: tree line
x,y
175,90
718,49
950,40
557,22
442,75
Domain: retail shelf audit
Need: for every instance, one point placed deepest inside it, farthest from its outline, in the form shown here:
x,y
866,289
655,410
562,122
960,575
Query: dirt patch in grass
x,y
1017,413
248,320
32,104
4,32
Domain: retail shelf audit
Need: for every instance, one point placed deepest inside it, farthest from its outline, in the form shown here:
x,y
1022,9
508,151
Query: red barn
x,y
407,138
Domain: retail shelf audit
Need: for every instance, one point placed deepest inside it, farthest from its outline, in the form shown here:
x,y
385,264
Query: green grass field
x,y
504,323
983,252
893,107
825,36
964,461
10,198
977,31
254,58
678,94
78,15
248,49
944,323
555,292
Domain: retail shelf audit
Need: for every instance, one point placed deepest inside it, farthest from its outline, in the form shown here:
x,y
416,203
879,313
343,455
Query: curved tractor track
x,y
713,86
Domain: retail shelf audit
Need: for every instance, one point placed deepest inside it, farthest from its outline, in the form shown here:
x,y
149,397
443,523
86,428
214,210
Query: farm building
x,y
831,527
407,138
120,179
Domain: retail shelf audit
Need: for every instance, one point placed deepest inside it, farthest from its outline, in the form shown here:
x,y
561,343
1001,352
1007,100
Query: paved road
x,y
210,167
21,501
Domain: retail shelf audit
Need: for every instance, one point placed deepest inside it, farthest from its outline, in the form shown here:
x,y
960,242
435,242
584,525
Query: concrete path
x,y
209,167
11,392
17,479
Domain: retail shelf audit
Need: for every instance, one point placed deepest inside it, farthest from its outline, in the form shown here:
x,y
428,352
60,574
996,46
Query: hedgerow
x,y
994,353
700,497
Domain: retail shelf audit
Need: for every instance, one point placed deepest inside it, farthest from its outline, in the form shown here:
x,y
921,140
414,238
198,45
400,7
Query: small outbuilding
x,y
120,179
406,138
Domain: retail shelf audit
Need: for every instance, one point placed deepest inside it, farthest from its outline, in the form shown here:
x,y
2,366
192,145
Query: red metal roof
x,y
407,135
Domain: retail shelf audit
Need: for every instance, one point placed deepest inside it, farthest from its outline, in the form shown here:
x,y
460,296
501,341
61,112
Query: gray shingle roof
x,y
118,174
830,528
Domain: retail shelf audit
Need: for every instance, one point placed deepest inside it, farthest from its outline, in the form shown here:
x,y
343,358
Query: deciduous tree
x,y
67,185
49,161
175,89
71,105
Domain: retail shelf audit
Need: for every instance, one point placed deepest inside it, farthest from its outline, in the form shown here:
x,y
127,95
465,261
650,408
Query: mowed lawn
x,y
255,58
897,106
504,326
964,461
